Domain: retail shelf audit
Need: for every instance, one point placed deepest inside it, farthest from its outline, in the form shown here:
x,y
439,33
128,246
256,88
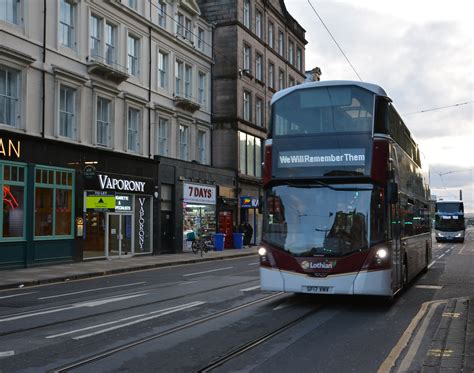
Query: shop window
x,y
12,184
54,206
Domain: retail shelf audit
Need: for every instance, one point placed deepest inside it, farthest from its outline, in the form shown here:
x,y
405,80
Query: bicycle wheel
x,y
195,247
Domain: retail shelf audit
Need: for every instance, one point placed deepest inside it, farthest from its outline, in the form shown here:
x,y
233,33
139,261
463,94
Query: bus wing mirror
x,y
392,192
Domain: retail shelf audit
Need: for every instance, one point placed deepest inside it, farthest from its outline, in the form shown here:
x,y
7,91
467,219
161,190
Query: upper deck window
x,y
323,110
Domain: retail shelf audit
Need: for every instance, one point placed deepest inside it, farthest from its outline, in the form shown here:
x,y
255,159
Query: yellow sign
x,y
10,149
100,202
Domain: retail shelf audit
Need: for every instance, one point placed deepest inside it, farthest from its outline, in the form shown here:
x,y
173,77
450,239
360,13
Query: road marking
x,y
95,303
17,295
437,287
186,282
252,288
159,314
431,264
212,270
254,264
6,353
392,357
439,257
88,291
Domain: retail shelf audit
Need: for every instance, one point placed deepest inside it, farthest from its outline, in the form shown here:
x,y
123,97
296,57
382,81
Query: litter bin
x,y
238,240
219,241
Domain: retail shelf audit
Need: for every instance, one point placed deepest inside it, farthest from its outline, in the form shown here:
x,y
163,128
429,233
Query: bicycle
x,y
201,245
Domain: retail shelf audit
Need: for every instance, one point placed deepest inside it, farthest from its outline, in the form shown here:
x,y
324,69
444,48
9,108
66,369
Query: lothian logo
x,y
318,265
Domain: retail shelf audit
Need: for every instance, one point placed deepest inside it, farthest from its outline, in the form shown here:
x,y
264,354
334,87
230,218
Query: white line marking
x,y
160,314
439,257
95,303
186,282
88,291
252,288
428,287
212,270
254,264
6,353
17,295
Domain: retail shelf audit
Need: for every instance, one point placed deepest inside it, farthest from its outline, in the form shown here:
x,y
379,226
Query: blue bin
x,y
238,240
219,241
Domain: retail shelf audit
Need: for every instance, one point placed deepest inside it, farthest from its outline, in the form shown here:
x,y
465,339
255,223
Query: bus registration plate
x,y
317,289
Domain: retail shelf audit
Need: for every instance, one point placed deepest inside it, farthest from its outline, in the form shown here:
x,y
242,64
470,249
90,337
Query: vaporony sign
x,y
321,157
199,193
107,182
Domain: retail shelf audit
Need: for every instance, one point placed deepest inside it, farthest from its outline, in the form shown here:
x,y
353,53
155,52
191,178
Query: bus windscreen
x,y
323,110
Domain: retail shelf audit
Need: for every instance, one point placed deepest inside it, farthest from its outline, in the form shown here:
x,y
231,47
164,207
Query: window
x,y
163,66
162,14
281,79
202,147
201,39
291,81
246,106
250,155
183,142
258,23
13,201
188,81
102,40
259,67
54,205
202,91
179,72
103,121
132,4
291,52
66,24
67,110
110,43
281,43
270,34
95,26
180,25
188,28
163,135
9,96
133,143
9,11
133,53
259,112
271,73
246,57
247,13
299,59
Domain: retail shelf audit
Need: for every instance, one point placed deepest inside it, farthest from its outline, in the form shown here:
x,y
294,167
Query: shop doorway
x,y
119,235
167,232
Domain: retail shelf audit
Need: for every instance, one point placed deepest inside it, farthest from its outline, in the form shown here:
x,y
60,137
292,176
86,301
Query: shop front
x,y
199,210
117,216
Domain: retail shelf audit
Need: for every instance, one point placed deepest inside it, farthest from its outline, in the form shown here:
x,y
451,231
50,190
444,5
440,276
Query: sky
x,y
422,53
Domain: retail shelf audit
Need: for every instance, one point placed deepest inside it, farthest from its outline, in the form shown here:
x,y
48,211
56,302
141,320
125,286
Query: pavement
x,y
17,278
451,350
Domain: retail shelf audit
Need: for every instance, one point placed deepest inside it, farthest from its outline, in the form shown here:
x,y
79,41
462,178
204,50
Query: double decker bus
x,y
346,206
449,221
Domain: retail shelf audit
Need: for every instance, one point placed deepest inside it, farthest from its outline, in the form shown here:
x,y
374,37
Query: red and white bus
x,y
346,206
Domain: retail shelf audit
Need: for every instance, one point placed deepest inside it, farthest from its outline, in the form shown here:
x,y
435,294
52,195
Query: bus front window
x,y
316,220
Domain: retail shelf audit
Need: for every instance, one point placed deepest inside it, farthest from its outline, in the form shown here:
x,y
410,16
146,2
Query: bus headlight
x,y
262,251
382,253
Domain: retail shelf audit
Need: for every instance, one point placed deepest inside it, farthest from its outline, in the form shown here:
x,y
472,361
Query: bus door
x,y
397,258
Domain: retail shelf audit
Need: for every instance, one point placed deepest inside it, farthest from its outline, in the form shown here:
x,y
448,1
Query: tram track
x,y
109,312
254,343
104,354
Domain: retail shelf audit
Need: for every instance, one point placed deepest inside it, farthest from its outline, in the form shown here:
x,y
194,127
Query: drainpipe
x,y
43,83
149,88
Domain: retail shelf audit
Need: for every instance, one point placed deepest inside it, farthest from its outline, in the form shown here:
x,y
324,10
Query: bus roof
x,y
449,201
330,83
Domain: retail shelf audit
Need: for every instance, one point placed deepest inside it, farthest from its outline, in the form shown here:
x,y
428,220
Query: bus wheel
x,y
405,273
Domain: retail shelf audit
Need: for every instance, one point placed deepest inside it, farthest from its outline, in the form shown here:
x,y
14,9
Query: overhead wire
x,y
335,41
440,108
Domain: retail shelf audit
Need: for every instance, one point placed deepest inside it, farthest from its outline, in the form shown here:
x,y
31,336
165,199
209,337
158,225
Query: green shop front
x,y
46,187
